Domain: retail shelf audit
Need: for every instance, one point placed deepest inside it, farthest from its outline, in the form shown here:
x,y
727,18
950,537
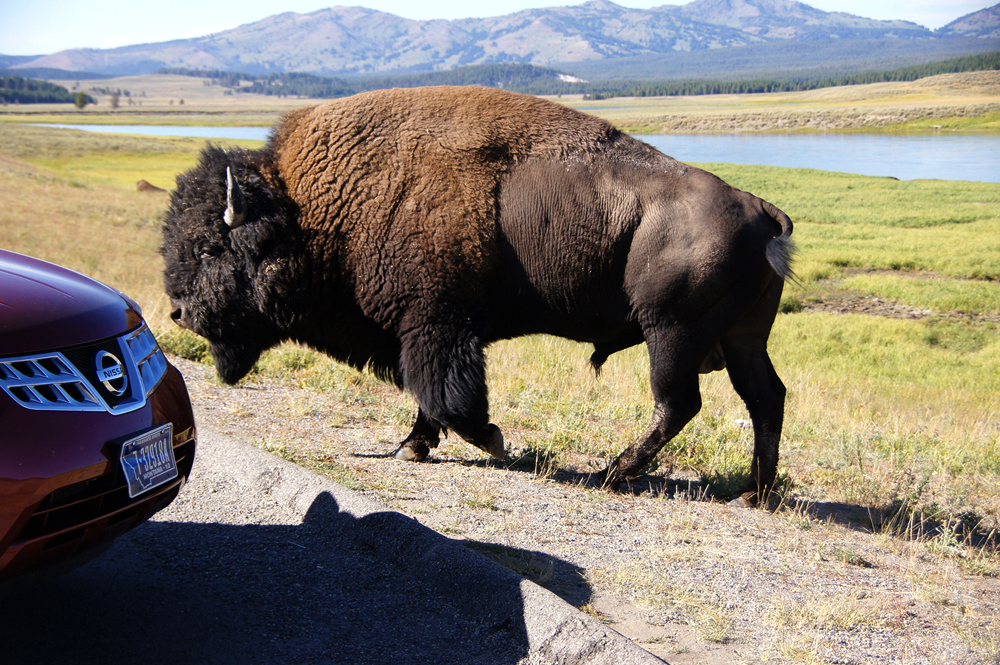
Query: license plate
x,y
148,460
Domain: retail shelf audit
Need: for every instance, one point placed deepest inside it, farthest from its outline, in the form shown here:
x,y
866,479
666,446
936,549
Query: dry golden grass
x,y
111,236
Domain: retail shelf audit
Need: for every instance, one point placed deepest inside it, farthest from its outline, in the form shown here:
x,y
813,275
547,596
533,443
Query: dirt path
x,y
690,580
853,303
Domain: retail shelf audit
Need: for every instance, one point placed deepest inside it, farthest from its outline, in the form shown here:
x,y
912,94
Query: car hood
x,y
45,307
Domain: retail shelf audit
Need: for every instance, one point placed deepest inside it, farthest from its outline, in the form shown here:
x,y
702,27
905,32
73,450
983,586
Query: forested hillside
x,y
20,90
546,81
608,89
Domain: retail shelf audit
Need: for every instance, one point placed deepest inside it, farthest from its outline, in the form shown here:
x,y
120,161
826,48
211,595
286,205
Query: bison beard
x,y
404,231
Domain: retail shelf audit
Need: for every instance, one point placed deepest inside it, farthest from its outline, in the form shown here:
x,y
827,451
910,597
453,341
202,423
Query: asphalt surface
x,y
261,561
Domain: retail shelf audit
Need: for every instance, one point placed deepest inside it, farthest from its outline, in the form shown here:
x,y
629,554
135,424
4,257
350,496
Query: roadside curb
x,y
554,631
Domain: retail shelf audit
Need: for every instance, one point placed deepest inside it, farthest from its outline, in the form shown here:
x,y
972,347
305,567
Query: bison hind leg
x,y
756,382
674,380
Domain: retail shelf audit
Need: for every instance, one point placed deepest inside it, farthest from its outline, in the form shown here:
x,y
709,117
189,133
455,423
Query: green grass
x,y
930,244
989,122
119,160
822,197
197,118
879,410
933,291
905,356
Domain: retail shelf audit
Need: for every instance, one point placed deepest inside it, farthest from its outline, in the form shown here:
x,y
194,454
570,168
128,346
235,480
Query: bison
x,y
146,186
406,230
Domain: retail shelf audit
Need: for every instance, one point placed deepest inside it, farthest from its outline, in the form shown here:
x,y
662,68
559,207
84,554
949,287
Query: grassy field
x,y
158,99
899,410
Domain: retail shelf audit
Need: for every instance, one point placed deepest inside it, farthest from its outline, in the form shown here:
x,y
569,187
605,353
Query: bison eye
x,y
206,251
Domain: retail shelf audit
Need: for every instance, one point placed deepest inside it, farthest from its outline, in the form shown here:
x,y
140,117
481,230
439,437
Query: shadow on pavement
x,y
333,589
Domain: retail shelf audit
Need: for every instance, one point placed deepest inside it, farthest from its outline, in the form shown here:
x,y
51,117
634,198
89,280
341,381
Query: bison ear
x,y
235,201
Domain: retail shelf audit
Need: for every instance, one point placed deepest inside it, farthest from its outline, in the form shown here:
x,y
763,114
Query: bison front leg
x,y
445,371
424,436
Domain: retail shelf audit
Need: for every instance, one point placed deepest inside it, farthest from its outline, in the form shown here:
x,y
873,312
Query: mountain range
x,y
357,41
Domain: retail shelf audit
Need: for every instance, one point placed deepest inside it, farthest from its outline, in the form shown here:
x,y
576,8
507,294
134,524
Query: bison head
x,y
231,244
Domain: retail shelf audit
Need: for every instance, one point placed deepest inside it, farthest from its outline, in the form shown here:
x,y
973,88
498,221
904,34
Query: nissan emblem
x,y
111,373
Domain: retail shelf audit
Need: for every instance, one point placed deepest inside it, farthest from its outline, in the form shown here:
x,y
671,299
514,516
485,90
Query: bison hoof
x,y
491,443
413,451
745,500
610,479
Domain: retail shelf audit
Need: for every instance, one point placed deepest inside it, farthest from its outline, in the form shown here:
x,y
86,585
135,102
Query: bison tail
x,y
781,248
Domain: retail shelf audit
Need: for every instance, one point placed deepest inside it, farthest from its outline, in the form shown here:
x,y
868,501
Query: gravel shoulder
x,y
691,581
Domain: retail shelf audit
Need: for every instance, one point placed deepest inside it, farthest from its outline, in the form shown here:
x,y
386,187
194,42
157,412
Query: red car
x,y
96,428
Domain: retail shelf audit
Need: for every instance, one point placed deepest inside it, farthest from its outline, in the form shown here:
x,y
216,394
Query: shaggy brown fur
x,y
403,181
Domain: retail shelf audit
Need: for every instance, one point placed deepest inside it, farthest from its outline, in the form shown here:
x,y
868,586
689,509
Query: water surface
x,y
236,133
943,156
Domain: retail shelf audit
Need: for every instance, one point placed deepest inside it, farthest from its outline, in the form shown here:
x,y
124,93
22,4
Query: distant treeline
x,y
609,89
51,74
20,90
511,76
217,76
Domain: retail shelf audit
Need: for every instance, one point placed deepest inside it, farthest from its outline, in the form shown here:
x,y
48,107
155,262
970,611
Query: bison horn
x,y
235,202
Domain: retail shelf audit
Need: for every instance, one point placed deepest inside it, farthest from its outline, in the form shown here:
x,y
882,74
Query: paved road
x,y
261,561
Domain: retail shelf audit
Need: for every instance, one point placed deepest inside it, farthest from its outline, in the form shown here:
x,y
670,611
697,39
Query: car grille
x,y
70,380
77,517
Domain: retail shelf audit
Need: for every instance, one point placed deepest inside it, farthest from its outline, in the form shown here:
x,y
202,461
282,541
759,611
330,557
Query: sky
x,y
41,27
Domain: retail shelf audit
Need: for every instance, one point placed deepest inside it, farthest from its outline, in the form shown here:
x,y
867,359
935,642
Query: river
x,y
944,156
